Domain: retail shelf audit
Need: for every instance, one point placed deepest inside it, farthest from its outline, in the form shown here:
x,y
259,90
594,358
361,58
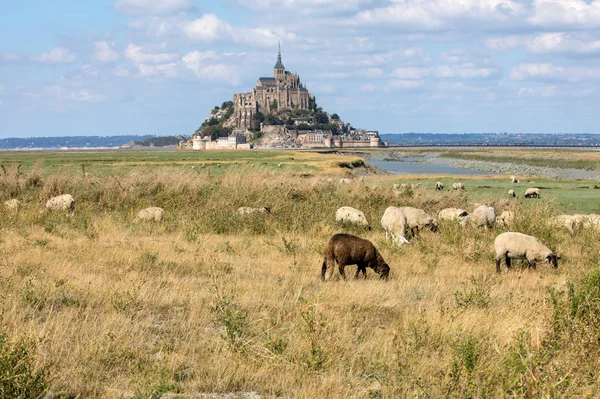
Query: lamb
x,y
64,202
532,192
394,223
483,216
12,204
347,214
439,186
152,213
247,210
506,218
521,246
458,186
511,193
346,249
417,220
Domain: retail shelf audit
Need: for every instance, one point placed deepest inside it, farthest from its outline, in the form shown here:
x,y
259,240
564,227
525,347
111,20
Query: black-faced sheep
x,y
511,193
521,246
346,249
347,214
454,214
439,186
458,186
532,192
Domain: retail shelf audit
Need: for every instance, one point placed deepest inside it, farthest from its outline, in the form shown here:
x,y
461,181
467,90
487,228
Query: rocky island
x,y
279,112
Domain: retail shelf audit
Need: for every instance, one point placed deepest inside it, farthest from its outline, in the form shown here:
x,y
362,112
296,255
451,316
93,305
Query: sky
x,y
110,67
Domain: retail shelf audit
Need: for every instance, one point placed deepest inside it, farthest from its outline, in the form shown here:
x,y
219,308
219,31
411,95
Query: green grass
x,y
527,159
568,195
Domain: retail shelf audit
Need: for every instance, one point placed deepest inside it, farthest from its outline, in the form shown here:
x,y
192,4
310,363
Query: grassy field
x,y
211,302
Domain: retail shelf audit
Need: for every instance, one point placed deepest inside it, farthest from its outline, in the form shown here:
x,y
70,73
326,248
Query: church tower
x,y
279,70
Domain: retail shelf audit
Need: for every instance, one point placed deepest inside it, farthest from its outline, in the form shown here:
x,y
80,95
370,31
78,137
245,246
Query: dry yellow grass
x,y
212,302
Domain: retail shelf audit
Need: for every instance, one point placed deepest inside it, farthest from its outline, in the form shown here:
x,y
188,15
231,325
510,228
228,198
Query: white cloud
x,y
405,84
368,87
58,55
86,96
139,55
565,13
551,42
205,67
209,28
441,14
554,91
464,71
412,72
10,57
153,6
105,52
547,71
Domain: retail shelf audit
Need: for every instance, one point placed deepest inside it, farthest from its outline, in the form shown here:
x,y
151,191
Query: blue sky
x,y
109,67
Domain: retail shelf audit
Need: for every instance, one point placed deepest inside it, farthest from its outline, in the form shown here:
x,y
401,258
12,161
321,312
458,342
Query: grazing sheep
x,y
511,193
506,218
417,220
439,186
415,185
394,223
458,186
280,165
483,216
532,192
521,246
345,180
514,179
246,210
152,213
12,204
63,202
346,249
569,221
454,214
347,214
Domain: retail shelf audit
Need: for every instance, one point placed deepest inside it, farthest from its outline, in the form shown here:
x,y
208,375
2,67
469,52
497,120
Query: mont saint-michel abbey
x,y
283,90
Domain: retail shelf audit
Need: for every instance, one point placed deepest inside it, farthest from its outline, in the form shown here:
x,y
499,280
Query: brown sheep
x,y
346,249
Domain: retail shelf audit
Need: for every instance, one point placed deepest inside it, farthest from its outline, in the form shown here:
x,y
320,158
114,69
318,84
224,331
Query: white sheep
x,y
511,193
506,218
417,219
247,210
63,202
483,216
514,179
458,186
454,214
569,221
152,213
439,186
415,185
394,223
532,192
347,214
345,180
521,246
13,204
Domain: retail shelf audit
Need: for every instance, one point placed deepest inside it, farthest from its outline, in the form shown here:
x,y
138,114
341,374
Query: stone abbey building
x,y
283,90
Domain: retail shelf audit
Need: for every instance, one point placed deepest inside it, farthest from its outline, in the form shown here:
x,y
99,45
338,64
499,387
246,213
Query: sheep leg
x,y
532,264
498,260
386,235
508,262
329,267
360,268
323,270
342,266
